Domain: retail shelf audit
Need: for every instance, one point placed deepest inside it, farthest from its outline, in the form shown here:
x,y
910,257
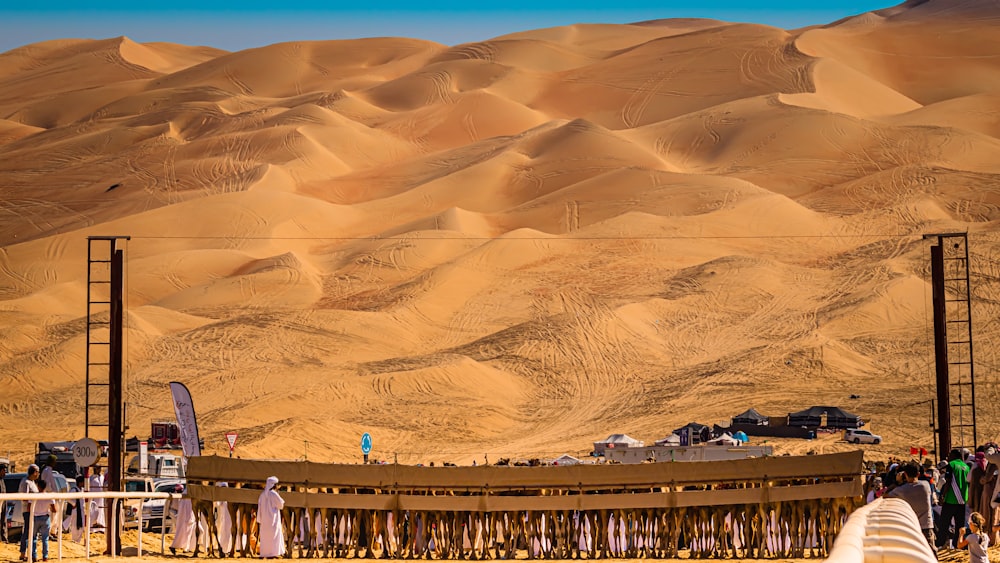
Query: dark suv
x,y
12,481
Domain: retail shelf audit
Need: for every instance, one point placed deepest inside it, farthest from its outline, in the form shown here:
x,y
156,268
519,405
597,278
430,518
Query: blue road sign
x,y
366,443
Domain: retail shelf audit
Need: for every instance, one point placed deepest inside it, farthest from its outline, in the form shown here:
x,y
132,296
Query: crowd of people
x,y
955,501
43,512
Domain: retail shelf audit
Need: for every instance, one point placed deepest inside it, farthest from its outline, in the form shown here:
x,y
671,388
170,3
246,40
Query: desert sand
x,y
510,248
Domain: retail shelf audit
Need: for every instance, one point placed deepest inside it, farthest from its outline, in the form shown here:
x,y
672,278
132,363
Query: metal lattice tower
x,y
954,364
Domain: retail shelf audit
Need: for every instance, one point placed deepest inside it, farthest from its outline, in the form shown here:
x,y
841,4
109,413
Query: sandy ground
x,y
508,248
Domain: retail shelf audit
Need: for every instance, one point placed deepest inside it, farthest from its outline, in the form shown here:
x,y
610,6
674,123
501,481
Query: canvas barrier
x,y
580,477
764,507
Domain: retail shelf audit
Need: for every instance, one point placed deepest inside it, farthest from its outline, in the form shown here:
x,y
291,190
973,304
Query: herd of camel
x,y
790,528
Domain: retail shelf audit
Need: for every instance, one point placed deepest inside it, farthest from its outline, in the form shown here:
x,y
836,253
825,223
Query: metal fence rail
x,y
61,498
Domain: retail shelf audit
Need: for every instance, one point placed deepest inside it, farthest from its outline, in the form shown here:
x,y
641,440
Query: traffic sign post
x,y
366,445
231,438
86,452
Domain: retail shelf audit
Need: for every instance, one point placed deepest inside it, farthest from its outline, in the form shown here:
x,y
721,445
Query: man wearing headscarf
x,y
224,523
185,525
74,519
47,474
97,517
269,505
977,474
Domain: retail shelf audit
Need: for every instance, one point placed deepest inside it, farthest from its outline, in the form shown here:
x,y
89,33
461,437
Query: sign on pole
x,y
231,438
366,445
86,452
143,458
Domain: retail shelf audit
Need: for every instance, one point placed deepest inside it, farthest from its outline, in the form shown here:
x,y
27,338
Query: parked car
x,y
152,509
858,436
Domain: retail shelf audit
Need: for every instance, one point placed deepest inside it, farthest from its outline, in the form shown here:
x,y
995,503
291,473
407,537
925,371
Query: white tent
x,y
566,459
726,439
616,441
671,440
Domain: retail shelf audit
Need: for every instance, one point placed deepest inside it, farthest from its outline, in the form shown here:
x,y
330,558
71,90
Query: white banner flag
x,y
186,421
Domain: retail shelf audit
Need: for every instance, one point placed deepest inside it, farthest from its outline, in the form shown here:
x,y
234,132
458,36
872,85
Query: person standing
x,y
977,474
74,519
27,486
47,474
3,505
269,505
954,497
97,518
44,509
917,494
185,531
976,539
224,524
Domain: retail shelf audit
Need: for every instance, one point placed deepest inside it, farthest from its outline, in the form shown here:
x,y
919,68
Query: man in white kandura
x,y
187,529
224,523
97,517
269,505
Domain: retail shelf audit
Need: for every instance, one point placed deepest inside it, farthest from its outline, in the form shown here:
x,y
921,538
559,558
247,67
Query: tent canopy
x,y
835,418
566,459
620,439
750,416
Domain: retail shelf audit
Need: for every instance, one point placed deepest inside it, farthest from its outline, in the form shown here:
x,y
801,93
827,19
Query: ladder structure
x,y
954,366
104,412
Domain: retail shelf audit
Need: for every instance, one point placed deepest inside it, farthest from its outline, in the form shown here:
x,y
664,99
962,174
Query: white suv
x,y
861,437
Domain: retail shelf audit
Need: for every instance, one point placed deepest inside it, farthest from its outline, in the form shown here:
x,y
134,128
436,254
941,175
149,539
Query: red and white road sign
x,y
231,438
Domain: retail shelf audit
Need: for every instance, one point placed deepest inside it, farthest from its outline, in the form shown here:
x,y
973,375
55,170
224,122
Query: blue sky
x,y
252,23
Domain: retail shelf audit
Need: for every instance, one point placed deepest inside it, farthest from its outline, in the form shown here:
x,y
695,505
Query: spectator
x,y
917,494
976,540
3,505
27,486
954,496
44,509
269,505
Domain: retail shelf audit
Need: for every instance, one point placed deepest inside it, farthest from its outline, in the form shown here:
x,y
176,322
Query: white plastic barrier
x,y
885,530
29,526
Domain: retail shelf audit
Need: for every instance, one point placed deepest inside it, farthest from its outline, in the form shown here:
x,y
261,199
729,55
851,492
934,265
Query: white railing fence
x,y
885,530
62,498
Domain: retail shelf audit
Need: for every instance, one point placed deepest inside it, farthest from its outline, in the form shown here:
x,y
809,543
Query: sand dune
x,y
512,247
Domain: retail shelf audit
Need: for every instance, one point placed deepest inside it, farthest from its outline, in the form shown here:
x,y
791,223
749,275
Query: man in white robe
x,y
74,521
97,518
185,526
224,523
272,536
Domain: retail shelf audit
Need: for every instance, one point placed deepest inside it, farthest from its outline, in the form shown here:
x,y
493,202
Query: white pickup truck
x,y
152,509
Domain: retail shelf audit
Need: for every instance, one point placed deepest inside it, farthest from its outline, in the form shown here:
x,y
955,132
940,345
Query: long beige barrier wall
x,y
884,531
753,508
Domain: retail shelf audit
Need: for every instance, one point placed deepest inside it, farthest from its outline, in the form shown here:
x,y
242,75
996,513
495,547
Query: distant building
x,y
616,441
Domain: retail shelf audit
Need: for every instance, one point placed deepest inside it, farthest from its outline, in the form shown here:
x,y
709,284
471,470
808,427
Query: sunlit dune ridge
x,y
513,247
